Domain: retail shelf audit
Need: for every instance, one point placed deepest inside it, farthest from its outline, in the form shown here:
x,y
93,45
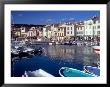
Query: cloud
x,y
63,19
71,19
49,20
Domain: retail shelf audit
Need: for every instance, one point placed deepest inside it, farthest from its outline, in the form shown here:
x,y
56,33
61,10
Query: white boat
x,y
96,49
57,43
17,47
14,51
50,43
28,50
37,73
39,39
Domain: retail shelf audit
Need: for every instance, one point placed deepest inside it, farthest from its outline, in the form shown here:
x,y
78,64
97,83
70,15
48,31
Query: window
x,y
62,29
90,27
80,28
71,28
71,32
68,28
67,32
94,22
98,27
31,34
98,32
58,34
93,27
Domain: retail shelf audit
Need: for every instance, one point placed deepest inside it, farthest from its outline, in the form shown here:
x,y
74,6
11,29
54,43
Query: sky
x,y
46,17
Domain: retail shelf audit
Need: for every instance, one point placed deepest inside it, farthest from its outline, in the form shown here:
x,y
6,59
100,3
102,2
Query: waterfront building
x,y
23,32
66,29
15,33
32,33
96,28
88,29
92,28
83,30
61,32
48,32
80,31
69,30
44,32
40,31
54,31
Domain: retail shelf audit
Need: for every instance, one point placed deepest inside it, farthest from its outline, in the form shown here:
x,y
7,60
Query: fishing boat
x,y
71,72
92,70
37,73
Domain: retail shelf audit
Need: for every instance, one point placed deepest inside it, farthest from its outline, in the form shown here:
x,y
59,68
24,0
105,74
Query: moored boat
x,y
50,43
14,53
29,50
71,72
37,73
92,70
38,51
96,49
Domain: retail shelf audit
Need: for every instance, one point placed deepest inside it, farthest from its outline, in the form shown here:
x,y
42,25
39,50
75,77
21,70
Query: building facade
x,y
80,30
92,28
83,30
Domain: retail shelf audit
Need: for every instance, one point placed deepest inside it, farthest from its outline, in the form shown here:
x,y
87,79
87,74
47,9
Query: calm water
x,y
55,57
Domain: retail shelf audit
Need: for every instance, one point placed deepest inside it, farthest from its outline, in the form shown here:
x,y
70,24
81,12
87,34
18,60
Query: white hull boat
x,y
37,73
96,49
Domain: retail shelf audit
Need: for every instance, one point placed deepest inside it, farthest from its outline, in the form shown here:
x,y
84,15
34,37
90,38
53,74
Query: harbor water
x,y
54,57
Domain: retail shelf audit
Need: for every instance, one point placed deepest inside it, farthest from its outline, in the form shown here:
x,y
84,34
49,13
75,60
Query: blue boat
x,y
92,70
71,72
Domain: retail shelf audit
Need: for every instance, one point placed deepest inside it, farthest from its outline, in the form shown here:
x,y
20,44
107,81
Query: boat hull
x,y
96,49
70,72
92,70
